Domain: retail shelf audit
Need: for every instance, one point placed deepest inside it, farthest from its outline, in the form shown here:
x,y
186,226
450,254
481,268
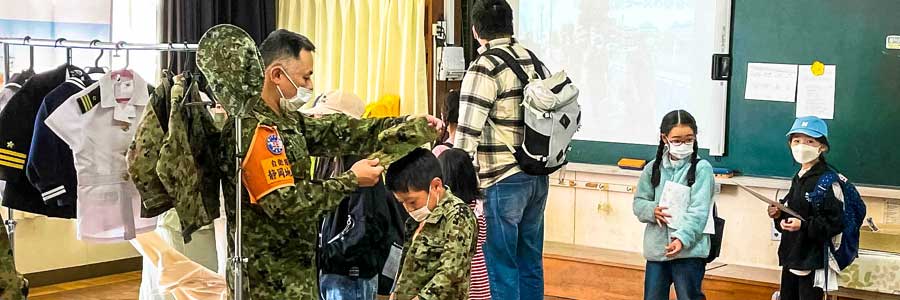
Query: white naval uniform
x,y
109,205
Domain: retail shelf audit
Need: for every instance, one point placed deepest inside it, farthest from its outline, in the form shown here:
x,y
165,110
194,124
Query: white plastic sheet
x,y
177,274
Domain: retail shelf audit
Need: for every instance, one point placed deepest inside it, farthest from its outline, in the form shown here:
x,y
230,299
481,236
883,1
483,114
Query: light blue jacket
x,y
696,243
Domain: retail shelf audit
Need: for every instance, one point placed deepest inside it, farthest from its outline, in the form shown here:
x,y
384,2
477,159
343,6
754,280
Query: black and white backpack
x,y
552,116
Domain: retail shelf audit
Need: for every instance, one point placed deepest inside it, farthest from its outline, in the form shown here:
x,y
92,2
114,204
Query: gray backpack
x,y
552,115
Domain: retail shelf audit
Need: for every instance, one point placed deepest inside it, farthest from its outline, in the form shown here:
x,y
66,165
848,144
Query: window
x,y
133,21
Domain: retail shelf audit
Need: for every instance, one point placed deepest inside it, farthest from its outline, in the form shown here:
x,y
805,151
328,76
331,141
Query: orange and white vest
x,y
266,166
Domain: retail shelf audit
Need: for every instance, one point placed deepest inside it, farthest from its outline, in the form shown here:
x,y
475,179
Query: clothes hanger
x,y
170,57
21,77
30,55
198,81
96,69
124,72
72,69
189,82
204,87
127,58
188,78
58,44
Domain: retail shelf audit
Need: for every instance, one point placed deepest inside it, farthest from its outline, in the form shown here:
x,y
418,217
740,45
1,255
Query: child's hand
x,y
774,212
435,123
791,224
674,248
661,215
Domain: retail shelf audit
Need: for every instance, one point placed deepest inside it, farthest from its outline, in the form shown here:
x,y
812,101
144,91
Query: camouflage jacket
x,y
143,154
188,163
279,233
12,284
438,259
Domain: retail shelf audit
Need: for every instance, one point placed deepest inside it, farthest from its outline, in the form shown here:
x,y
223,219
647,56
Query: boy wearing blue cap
x,y
802,250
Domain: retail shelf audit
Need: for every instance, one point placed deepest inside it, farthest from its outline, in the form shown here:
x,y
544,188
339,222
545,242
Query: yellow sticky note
x,y
817,68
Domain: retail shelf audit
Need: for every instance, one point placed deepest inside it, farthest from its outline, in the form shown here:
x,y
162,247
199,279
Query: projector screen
x,y
634,61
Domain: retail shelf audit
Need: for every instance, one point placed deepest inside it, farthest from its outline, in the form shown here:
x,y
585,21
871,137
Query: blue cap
x,y
811,126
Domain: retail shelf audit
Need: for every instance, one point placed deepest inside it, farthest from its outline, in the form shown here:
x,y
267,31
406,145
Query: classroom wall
x,y
44,244
849,34
604,219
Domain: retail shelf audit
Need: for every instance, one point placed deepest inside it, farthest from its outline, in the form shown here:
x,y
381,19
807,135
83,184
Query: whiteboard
x,y
634,61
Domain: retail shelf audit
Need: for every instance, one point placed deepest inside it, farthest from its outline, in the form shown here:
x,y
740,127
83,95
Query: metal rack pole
x,y
121,45
238,258
10,221
5,63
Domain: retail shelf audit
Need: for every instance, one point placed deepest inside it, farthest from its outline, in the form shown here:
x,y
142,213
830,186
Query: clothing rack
x,y
238,260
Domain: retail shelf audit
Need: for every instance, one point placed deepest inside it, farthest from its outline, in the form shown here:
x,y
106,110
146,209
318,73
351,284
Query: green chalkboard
x,y
865,132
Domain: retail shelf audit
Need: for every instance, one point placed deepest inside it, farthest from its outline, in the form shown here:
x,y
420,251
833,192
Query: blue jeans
x,y
514,210
340,287
686,273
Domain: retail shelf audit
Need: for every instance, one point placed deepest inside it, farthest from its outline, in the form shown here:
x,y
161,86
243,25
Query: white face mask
x,y
420,214
681,151
294,103
805,153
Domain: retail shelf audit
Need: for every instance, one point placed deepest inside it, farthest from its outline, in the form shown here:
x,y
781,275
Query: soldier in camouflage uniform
x,y
438,257
279,231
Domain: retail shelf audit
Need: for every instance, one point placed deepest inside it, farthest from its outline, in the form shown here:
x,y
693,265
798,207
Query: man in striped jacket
x,y
515,216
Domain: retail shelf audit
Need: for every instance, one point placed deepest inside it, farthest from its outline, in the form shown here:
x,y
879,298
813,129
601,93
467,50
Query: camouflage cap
x,y
397,140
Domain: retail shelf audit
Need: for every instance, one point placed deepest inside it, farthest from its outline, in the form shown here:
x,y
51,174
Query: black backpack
x,y
354,239
715,240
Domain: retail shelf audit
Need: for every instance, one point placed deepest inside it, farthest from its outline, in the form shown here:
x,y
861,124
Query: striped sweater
x,y
490,89
480,288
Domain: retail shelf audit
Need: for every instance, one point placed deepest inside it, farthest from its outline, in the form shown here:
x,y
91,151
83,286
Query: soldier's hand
x,y
367,171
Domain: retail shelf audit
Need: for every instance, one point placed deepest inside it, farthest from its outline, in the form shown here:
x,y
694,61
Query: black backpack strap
x,y
538,65
510,62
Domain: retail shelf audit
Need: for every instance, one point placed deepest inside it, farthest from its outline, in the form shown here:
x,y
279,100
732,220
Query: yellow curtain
x,y
370,47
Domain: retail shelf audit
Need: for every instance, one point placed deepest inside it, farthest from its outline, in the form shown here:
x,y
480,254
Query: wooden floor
x,y
578,272
115,287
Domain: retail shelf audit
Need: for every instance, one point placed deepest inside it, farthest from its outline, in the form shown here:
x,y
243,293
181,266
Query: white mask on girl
x,y
681,151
